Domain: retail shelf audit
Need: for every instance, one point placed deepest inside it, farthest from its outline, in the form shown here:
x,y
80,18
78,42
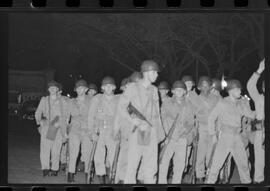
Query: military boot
x,y
102,179
199,181
54,173
70,178
45,172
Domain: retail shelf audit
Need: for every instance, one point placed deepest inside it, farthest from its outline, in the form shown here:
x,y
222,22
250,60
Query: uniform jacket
x,y
146,100
229,114
43,112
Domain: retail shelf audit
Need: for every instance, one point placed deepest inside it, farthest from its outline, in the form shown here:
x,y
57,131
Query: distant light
x,y
68,95
223,83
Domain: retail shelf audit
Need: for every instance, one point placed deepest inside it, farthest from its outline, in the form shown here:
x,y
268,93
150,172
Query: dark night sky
x,y
39,41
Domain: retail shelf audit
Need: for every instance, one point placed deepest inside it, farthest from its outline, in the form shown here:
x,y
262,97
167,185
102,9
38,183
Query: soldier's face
x,y
189,85
152,76
179,92
53,90
92,92
235,92
81,90
205,87
163,93
108,89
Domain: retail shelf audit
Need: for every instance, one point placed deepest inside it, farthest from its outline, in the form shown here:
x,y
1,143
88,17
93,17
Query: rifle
x,y
169,137
115,160
134,111
90,170
191,177
67,151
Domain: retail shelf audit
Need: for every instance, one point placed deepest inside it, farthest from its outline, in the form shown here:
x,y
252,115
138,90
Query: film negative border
x,y
134,4
168,5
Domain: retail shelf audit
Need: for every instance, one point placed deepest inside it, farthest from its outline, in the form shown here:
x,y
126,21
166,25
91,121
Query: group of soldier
x,y
143,134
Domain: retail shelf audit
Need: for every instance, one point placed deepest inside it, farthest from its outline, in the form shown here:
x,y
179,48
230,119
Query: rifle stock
x,y
134,111
90,170
115,160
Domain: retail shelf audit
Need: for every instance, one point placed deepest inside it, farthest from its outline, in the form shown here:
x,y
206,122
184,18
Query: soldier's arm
x,y
189,119
40,110
247,112
213,117
252,86
117,118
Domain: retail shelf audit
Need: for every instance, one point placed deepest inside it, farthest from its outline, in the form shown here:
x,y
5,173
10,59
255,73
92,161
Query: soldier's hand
x,y
261,66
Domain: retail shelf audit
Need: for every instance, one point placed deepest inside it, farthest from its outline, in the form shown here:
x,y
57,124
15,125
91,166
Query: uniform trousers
x,y
147,155
204,150
230,143
77,139
177,150
50,150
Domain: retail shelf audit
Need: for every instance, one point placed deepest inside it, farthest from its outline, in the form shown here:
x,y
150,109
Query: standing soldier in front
x,y
229,111
101,118
52,117
79,133
143,142
177,145
259,134
204,104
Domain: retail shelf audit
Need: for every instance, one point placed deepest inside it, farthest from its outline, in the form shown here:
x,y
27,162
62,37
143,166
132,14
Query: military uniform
x,y
203,106
259,134
177,147
143,143
101,116
229,113
79,133
51,135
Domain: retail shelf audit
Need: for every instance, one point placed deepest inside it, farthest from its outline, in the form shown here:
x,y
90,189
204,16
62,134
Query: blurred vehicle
x,y
28,109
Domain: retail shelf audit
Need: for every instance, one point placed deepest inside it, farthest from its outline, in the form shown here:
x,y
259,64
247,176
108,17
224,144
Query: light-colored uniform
x,y
79,134
229,113
147,102
259,151
177,147
125,128
101,116
63,154
203,106
49,148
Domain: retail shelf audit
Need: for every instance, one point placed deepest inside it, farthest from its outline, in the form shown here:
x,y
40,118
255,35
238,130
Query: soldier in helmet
x,y
143,142
79,134
135,76
229,111
177,146
203,103
92,90
122,127
163,89
260,130
216,87
52,117
101,118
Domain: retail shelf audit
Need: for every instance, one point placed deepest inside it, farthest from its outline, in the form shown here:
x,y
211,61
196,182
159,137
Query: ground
x,y
23,156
